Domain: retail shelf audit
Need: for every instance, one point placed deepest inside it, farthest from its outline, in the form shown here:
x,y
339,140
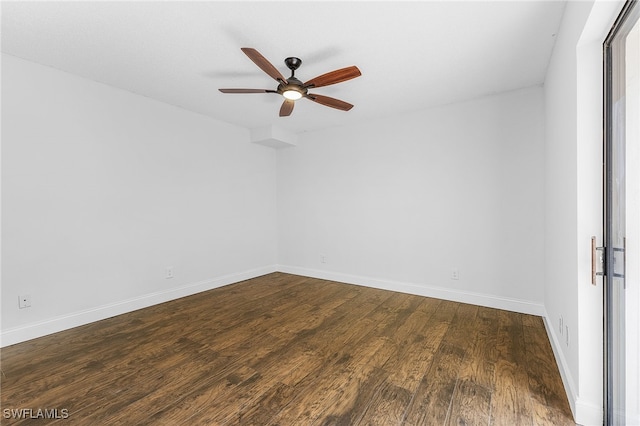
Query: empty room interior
x,y
184,241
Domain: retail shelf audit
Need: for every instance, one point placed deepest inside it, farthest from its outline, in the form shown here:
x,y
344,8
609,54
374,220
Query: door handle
x,y
597,259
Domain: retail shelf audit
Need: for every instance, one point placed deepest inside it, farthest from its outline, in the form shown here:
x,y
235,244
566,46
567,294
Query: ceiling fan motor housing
x,y
292,84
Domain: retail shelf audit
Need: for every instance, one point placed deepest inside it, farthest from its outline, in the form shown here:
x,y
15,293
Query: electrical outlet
x,y
566,329
455,274
24,301
168,272
323,258
561,325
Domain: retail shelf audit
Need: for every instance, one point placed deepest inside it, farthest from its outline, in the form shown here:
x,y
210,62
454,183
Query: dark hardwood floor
x,y
289,350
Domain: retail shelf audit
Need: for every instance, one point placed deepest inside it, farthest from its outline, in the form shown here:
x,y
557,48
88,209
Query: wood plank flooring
x,y
289,350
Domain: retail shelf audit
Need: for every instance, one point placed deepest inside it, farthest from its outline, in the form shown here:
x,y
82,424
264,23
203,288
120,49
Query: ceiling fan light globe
x,y
293,95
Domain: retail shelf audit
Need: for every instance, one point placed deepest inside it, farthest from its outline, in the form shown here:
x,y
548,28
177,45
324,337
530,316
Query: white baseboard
x,y
480,299
565,373
584,412
54,325
588,413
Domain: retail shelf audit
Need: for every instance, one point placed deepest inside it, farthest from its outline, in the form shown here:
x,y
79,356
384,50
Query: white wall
x,y
102,189
573,198
401,202
561,291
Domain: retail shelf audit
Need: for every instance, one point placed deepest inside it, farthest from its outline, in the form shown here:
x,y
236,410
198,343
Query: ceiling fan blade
x,y
246,91
287,107
264,64
330,102
333,77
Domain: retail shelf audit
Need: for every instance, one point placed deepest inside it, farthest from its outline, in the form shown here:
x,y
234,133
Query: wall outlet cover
x,y
24,301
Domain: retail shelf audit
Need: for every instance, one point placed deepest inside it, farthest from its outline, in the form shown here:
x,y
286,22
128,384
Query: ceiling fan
x,y
293,89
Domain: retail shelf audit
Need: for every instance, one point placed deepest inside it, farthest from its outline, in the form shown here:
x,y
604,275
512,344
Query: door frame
x,y
608,180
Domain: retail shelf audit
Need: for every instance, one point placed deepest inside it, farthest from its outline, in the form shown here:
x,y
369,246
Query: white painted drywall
x,y
561,281
402,202
573,199
103,189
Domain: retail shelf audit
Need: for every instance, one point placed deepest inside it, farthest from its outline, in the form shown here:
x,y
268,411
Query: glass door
x,y
622,217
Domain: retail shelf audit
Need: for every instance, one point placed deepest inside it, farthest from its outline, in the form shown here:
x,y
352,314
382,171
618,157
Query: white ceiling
x,y
412,55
